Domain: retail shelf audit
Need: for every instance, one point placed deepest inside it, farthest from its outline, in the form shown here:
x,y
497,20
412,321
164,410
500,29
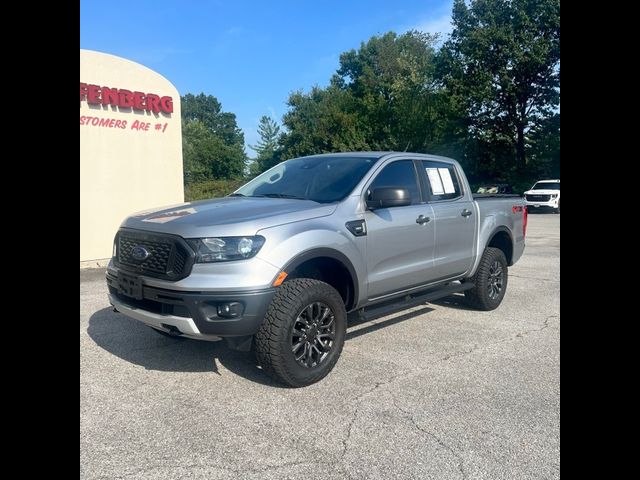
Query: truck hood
x,y
228,216
541,192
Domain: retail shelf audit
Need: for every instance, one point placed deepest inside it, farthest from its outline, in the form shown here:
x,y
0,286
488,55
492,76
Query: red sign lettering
x,y
96,95
137,125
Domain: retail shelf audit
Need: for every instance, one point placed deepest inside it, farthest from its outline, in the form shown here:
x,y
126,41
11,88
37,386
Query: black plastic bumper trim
x,y
202,307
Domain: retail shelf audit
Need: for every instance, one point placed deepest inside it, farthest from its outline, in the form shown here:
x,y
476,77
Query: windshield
x,y
546,186
321,179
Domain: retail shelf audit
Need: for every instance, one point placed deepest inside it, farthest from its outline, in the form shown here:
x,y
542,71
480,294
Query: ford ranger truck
x,y
277,265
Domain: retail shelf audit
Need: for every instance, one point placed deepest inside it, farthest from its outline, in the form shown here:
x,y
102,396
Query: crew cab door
x,y
400,240
454,218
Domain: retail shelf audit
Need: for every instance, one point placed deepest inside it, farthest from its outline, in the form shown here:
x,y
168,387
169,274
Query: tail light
x,y
525,215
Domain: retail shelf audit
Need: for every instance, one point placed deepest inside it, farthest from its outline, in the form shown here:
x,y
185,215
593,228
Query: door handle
x,y
422,220
466,213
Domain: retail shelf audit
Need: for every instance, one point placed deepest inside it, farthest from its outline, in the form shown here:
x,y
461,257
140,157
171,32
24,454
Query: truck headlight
x,y
554,195
224,249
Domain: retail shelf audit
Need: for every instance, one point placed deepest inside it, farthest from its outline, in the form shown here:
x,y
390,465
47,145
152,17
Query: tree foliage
x,y
391,78
207,156
488,97
212,143
267,146
383,97
208,110
503,64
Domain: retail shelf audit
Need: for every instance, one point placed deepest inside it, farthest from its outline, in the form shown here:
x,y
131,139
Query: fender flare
x,y
498,230
298,260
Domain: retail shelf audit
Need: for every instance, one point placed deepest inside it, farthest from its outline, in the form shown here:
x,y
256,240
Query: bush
x,y
210,189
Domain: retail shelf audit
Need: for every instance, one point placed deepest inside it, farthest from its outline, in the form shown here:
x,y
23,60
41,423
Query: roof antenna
x,y
407,147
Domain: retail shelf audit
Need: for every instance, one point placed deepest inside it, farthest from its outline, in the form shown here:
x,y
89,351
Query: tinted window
x,y
322,179
442,180
398,174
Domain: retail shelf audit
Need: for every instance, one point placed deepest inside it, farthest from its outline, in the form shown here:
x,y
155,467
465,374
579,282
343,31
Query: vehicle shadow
x,y
455,300
353,320
136,343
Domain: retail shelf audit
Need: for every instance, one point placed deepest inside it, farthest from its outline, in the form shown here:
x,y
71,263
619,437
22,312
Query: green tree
x,y
392,78
207,156
502,63
545,147
212,143
384,96
267,147
208,110
322,121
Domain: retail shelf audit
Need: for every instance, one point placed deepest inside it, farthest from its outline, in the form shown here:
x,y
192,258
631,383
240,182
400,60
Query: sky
x,y
250,55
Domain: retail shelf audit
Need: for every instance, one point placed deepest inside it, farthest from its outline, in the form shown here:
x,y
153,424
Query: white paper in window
x,y
446,180
434,180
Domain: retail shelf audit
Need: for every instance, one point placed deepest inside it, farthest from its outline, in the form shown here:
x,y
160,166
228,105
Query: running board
x,y
411,300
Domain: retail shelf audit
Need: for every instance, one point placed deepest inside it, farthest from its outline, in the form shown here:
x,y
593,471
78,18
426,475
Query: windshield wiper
x,y
280,195
236,195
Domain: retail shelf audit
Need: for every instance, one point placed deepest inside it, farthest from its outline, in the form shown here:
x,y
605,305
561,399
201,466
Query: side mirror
x,y
387,197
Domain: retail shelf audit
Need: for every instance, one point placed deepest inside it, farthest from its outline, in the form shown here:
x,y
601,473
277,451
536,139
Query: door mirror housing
x,y
387,197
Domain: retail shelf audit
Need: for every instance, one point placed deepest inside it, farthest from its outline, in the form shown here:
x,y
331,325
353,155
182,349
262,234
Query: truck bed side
x,y
501,224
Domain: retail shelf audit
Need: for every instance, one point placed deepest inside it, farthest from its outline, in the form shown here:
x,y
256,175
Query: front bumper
x,y
194,314
549,204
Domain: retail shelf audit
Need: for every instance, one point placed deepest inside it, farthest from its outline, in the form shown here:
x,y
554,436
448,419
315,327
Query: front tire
x,y
490,281
303,332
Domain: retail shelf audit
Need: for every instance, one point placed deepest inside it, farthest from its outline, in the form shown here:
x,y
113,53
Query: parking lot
x,y
438,391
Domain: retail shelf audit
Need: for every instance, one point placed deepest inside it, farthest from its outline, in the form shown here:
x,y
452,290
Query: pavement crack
x,y
356,401
345,441
432,435
458,354
545,324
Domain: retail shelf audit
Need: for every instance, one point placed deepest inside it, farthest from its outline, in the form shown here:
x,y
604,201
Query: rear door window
x,y
442,181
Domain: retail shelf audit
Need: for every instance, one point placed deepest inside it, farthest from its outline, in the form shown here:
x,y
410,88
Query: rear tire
x,y
303,332
490,281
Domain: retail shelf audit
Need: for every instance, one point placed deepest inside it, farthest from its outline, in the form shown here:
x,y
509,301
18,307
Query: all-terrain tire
x,y
490,281
300,307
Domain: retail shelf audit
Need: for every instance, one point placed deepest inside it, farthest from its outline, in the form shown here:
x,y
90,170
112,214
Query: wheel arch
x,y
502,239
334,268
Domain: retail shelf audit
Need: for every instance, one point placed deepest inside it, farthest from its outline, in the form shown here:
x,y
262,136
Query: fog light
x,y
230,309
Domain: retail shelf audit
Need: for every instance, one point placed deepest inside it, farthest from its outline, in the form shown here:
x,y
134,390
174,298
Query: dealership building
x,y
130,148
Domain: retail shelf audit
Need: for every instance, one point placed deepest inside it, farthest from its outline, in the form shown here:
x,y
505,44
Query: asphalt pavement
x,y
438,391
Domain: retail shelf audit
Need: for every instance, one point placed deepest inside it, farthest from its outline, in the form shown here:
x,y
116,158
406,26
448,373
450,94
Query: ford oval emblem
x,y
140,253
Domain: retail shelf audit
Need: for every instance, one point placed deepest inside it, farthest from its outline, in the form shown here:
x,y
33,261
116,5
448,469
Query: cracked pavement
x,y
438,391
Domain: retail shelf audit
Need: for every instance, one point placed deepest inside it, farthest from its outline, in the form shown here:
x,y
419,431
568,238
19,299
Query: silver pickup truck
x,y
277,265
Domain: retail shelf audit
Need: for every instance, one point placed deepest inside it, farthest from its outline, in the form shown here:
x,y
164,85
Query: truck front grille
x,y
538,198
168,257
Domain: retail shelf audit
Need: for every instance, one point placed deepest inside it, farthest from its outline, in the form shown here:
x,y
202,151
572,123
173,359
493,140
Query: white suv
x,y
545,193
